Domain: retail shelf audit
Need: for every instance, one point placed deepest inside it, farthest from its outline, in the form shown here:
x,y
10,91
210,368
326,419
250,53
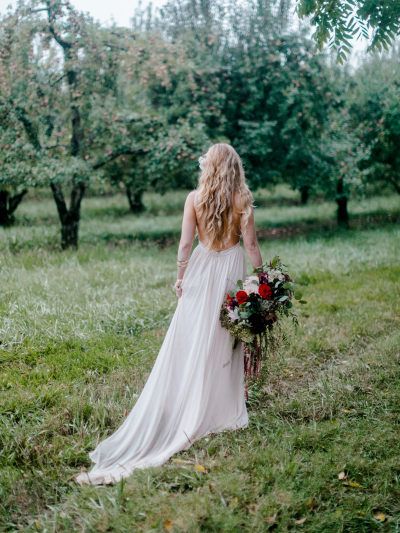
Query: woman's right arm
x,y
250,240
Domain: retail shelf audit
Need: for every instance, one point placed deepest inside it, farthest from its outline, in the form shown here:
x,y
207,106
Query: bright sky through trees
x,y
121,11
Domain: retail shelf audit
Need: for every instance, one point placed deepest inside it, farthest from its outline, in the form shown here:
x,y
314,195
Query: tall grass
x,y
107,219
79,333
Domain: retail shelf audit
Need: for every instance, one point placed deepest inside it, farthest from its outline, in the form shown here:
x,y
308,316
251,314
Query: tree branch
x,y
66,45
59,199
15,200
30,128
57,80
78,190
118,153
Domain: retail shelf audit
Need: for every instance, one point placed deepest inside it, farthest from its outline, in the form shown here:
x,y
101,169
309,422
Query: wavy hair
x,y
221,176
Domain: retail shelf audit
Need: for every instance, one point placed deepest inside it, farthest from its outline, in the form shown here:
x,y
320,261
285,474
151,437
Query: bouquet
x,y
251,311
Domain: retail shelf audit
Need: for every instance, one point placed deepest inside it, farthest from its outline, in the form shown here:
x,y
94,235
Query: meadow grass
x,y
107,219
80,331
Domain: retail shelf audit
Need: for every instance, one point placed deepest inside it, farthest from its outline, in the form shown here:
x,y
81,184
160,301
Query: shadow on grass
x,y
311,228
308,228
317,227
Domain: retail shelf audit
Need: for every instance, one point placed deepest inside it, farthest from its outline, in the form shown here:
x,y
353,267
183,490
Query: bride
x,y
196,386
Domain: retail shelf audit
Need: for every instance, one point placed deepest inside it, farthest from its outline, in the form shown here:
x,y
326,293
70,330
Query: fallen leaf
x,y
342,475
181,461
311,502
168,524
271,519
234,502
381,517
200,468
353,484
252,507
300,521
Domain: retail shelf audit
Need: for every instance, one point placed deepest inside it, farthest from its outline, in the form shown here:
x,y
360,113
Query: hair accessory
x,y
201,160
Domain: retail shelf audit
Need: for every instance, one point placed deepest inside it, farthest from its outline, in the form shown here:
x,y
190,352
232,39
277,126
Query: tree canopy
x,y
136,106
337,22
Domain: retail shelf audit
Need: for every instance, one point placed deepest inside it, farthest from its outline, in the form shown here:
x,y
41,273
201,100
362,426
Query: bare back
x,y
233,237
190,226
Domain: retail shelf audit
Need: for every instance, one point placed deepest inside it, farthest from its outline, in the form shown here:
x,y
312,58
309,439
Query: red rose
x,y
241,297
265,291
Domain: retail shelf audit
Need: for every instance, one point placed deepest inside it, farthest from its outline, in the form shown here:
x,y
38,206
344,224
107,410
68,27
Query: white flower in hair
x,y
201,160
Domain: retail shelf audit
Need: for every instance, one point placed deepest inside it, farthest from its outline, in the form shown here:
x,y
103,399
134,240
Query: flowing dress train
x,y
196,385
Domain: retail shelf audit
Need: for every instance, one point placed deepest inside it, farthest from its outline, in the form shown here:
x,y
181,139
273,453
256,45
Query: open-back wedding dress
x,y
196,386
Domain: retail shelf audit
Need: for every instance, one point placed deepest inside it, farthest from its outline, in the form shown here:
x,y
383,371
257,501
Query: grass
x,y
79,332
107,220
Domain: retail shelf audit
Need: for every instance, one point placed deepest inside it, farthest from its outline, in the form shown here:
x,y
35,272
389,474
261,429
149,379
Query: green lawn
x,y
79,333
106,220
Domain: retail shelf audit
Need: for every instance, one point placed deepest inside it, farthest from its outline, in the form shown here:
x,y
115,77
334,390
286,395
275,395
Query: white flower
x,y
275,274
233,315
201,160
251,284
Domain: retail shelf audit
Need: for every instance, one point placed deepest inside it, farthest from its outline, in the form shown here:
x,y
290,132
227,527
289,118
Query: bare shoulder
x,y
189,202
191,197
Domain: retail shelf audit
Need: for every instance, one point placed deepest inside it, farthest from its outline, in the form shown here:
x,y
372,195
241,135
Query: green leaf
x,y
275,261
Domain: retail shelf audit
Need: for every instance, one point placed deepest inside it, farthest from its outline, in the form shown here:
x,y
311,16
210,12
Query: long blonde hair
x,y
221,176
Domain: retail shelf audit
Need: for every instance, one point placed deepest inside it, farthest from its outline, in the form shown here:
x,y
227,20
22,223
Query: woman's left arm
x,y
186,240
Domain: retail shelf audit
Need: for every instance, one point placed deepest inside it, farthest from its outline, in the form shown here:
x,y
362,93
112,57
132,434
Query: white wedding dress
x,y
196,386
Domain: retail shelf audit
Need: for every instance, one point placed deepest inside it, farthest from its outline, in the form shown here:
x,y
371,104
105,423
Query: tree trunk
x,y
341,200
69,233
8,204
4,213
69,218
395,183
304,194
135,199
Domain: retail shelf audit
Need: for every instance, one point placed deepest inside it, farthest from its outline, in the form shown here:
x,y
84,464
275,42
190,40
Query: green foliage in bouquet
x,y
252,310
